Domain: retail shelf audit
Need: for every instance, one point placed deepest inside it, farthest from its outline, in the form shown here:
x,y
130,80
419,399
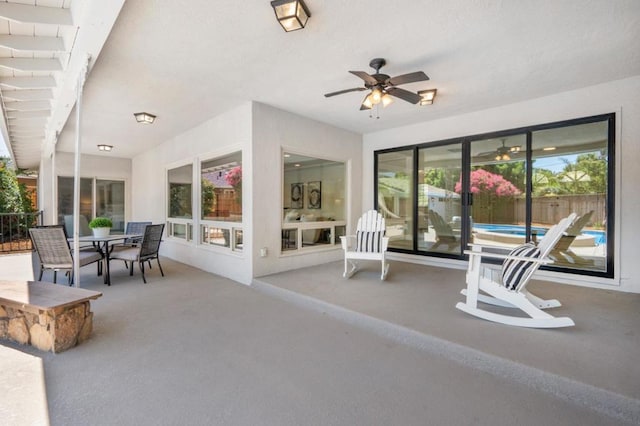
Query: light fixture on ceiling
x,y
291,14
549,148
502,153
105,148
144,117
376,97
427,96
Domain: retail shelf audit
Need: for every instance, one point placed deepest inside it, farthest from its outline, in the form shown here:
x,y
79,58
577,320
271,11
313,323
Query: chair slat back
x,y
517,273
370,231
441,227
135,228
51,245
151,241
553,235
573,231
371,221
84,225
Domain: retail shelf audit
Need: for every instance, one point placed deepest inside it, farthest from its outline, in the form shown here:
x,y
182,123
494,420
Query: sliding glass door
x,y
395,196
439,199
504,189
570,174
497,180
109,201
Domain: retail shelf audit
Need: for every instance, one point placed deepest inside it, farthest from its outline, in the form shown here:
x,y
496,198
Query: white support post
x,y
76,176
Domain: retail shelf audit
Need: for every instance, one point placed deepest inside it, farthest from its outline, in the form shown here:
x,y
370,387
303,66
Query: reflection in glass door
x,y
439,198
395,196
498,186
110,202
570,174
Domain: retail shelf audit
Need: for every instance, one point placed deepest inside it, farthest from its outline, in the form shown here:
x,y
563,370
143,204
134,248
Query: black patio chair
x,y
52,246
145,252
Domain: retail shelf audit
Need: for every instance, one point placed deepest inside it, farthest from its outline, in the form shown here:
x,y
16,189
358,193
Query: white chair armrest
x,y
480,247
385,243
505,257
346,241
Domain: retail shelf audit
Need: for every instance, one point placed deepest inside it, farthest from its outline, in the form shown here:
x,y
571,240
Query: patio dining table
x,y
103,246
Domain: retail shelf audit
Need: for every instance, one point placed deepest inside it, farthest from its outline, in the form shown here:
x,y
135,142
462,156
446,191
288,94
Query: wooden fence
x,y
545,210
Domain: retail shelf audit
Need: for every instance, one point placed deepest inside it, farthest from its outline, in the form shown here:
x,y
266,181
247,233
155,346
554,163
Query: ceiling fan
x,y
502,153
382,86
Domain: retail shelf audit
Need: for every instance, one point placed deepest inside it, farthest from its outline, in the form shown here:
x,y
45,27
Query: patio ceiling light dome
x,y
144,117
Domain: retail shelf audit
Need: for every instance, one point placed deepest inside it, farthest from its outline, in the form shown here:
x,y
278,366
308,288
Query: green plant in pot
x,y
100,226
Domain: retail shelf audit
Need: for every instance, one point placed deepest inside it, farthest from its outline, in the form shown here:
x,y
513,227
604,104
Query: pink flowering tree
x,y
493,196
483,181
234,178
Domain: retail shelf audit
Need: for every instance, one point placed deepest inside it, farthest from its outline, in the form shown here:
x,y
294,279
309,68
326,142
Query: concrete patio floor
x,y
195,348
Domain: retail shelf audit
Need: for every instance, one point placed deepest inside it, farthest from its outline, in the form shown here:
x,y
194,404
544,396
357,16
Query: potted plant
x,y
100,226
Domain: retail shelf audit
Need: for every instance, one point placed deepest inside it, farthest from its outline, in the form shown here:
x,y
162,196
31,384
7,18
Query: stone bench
x,y
47,316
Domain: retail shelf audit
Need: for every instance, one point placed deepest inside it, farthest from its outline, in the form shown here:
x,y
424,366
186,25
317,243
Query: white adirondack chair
x,y
508,289
369,243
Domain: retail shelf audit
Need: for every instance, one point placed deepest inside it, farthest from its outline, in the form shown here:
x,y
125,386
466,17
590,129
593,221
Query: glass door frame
x,y
467,197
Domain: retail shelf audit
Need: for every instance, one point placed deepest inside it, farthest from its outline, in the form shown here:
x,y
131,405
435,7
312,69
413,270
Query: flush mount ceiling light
x,y
427,96
292,14
144,117
106,148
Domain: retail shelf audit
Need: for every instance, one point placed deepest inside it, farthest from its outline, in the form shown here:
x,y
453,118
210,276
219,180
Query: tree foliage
x,y
587,175
208,198
14,197
485,182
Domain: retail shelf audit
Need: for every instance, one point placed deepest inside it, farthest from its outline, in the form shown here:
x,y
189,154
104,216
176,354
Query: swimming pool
x,y
599,236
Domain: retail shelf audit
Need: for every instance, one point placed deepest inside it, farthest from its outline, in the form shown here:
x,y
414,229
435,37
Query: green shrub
x,y
100,222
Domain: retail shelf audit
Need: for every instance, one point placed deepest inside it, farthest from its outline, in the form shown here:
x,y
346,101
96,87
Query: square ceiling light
x,y
427,96
291,14
144,117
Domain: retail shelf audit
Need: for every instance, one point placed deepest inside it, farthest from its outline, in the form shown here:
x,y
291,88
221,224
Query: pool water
x,y
600,236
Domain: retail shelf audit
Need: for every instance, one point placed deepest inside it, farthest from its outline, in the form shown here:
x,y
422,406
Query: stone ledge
x,y
58,318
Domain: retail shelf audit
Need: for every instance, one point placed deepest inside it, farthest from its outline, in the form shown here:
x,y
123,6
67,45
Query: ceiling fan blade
x,y
340,92
366,77
405,95
412,77
363,106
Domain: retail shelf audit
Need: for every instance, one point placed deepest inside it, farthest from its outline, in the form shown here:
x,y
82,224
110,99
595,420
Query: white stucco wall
x,y
275,131
91,166
226,133
621,97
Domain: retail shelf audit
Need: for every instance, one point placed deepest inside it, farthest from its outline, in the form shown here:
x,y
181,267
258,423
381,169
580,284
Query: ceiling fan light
x,y
376,96
368,103
386,100
291,14
427,96
498,157
505,157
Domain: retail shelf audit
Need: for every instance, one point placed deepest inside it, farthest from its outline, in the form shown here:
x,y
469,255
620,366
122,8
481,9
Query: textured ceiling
x,y
189,61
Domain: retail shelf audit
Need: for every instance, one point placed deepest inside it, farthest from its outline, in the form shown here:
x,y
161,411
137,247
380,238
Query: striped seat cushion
x,y
515,272
369,241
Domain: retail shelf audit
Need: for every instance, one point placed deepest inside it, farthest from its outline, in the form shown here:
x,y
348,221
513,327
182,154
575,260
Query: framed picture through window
x,y
314,194
297,195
